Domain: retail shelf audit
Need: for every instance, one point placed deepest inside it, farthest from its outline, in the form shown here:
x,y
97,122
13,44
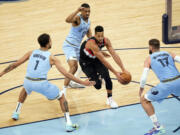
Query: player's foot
x,y
156,131
70,128
75,85
15,116
111,103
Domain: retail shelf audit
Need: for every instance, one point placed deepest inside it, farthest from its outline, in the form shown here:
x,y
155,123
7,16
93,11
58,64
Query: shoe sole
x,y
14,119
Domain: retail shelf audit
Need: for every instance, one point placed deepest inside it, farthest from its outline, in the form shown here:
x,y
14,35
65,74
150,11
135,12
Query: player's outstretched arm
x,y
56,62
100,56
115,56
16,64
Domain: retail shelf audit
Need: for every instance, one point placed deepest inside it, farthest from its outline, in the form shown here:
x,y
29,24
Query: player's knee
x,y
143,99
108,83
73,68
98,84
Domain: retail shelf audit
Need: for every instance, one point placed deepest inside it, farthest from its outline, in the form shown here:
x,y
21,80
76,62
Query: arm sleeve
x,y
144,77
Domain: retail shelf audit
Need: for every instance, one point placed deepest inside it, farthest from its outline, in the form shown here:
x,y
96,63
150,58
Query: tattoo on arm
x,y
9,68
66,106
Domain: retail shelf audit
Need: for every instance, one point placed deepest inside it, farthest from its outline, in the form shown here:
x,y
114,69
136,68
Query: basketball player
x,y
162,63
95,66
71,47
40,62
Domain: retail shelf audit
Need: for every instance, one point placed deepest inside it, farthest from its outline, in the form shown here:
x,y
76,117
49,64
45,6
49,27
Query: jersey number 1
x,y
37,62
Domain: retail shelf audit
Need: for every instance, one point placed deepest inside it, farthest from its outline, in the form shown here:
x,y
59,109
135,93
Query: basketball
x,y
126,78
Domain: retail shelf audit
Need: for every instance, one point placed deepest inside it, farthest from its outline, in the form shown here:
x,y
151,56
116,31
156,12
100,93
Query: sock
x,y
154,120
109,95
67,117
18,107
64,90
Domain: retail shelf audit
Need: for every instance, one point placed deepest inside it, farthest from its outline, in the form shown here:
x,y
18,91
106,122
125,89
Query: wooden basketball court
x,y
129,26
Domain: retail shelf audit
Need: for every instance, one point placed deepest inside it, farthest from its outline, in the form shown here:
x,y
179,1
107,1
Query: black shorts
x,y
96,70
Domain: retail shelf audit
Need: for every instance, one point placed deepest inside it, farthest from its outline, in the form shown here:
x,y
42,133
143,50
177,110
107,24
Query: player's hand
x,y
80,9
89,83
141,91
106,54
125,71
118,76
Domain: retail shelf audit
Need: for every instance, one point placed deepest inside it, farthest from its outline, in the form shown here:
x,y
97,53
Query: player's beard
x,y
150,52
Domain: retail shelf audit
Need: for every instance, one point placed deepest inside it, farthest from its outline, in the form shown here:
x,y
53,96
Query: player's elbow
x,y
68,20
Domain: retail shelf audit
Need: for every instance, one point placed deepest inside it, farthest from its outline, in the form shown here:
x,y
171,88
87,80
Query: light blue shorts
x,y
163,90
71,52
50,91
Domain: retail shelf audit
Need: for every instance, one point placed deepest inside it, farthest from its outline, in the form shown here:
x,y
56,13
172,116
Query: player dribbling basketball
x,y
95,66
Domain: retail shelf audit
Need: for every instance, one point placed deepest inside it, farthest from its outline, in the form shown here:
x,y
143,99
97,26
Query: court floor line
x,y
15,87
138,48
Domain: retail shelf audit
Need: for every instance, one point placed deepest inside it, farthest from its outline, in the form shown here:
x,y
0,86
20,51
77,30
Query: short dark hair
x,y
99,29
154,43
85,5
43,39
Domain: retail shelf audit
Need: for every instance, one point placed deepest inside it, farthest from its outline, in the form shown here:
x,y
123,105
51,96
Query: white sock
x,y
67,117
64,90
18,107
154,120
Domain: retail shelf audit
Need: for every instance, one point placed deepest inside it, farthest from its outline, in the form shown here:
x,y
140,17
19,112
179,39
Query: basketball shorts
x,y
95,71
163,90
71,52
50,91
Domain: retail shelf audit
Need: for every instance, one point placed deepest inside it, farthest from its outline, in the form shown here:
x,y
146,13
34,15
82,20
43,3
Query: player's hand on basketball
x,y
118,76
89,83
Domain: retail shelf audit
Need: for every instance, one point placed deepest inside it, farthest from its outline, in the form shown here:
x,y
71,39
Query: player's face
x,y
99,36
85,13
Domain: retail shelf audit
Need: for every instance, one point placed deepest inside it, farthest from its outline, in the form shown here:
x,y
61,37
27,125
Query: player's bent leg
x,y
157,93
64,106
147,105
22,98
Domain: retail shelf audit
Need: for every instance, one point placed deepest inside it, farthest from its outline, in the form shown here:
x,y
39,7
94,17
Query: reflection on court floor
x,y
127,120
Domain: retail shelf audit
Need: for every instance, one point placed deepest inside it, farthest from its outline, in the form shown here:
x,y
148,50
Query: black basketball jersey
x,y
87,54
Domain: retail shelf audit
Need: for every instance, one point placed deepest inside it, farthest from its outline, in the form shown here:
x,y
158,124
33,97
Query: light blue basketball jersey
x,y
77,34
163,65
39,64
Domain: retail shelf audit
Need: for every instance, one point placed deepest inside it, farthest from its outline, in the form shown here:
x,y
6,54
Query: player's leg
x,y
72,59
22,98
26,90
158,93
103,71
65,109
52,92
77,73
91,72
